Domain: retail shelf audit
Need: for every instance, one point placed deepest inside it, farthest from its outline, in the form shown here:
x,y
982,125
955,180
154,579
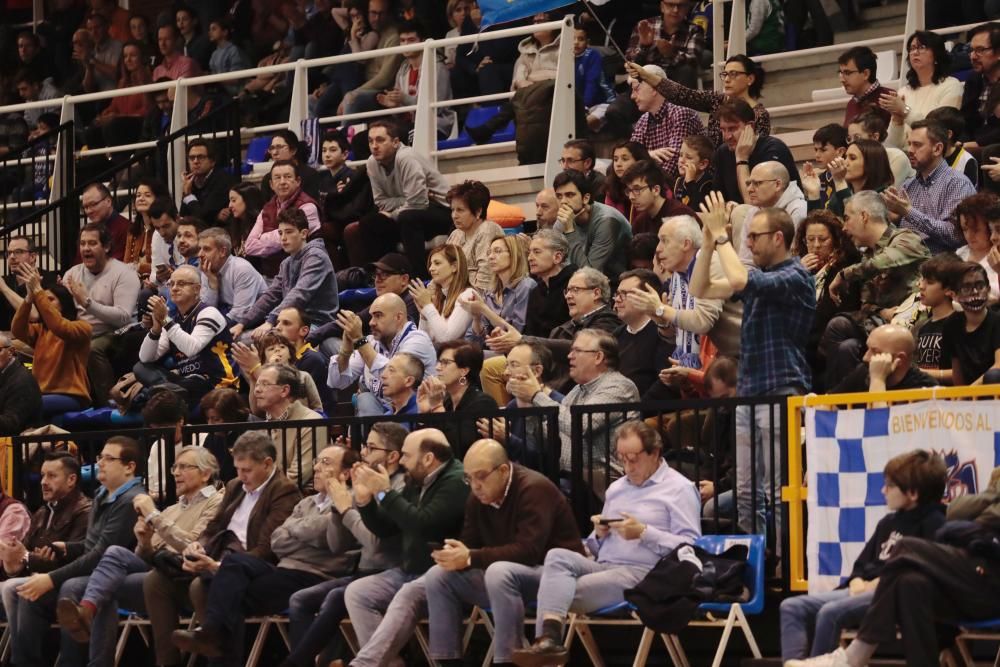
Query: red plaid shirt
x,y
688,43
666,129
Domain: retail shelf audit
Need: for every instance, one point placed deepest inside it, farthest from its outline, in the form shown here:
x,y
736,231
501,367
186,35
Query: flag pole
x,y
611,40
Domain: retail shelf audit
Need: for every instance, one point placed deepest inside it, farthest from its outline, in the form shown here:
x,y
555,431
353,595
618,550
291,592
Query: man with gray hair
x,y
662,126
769,186
276,392
887,274
228,282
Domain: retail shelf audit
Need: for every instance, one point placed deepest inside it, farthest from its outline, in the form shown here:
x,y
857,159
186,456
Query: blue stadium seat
x,y
356,299
477,116
256,152
98,418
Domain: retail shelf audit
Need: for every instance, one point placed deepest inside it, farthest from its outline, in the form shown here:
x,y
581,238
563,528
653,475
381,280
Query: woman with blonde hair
x,y
440,315
505,305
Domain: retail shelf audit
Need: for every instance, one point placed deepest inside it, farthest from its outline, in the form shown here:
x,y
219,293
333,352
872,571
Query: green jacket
x,y
431,517
889,272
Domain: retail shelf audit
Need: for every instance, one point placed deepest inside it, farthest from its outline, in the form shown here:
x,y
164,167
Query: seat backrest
x,y
257,149
754,576
479,115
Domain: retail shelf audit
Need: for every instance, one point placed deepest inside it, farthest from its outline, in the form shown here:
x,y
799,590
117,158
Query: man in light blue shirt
x,y
647,514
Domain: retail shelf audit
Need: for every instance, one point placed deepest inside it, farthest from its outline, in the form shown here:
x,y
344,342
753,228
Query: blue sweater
x,y
590,78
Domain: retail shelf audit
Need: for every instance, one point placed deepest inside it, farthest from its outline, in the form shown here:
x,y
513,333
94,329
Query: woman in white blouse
x,y
927,86
473,232
440,315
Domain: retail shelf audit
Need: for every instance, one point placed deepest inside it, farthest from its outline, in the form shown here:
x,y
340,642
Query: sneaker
x,y
836,659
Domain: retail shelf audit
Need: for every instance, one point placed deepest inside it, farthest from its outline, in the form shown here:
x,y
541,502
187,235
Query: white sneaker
x,y
836,659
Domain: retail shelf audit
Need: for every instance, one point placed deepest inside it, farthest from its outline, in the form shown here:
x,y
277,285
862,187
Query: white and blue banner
x,y
503,11
846,452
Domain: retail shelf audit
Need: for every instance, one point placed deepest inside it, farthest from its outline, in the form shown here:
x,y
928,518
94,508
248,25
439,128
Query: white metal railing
x,y
561,127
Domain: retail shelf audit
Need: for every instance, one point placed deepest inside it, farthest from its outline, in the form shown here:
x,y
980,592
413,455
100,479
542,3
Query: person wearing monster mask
x,y
972,337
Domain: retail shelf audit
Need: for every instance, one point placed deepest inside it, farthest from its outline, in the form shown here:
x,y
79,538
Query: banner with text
x,y
846,452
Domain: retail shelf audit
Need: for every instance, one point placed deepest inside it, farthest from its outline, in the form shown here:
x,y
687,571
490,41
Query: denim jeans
x,y
116,582
573,582
830,613
401,596
503,588
314,616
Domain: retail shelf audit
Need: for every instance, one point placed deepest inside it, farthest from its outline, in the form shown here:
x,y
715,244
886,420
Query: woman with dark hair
x,y
121,121
286,145
742,79
972,216
473,233
224,406
865,166
245,203
824,249
61,343
138,244
928,86
624,155
456,389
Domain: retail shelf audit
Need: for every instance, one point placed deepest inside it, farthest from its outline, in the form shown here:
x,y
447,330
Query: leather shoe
x,y
74,619
545,651
198,641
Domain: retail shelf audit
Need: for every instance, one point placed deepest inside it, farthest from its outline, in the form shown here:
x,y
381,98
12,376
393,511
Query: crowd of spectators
x,y
701,262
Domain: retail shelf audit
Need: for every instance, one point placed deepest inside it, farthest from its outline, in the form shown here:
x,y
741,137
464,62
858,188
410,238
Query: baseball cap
x,y
392,262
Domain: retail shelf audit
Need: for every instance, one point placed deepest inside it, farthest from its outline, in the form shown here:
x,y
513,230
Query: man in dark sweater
x,y
111,519
428,511
20,250
888,364
512,518
205,187
642,351
20,398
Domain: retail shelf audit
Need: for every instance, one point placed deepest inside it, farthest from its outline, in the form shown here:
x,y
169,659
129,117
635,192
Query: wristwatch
x,y
380,496
659,311
360,343
722,240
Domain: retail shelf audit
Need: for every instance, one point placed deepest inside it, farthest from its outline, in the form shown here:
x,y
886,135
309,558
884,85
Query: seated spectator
x,y
971,337
223,406
858,71
625,154
117,579
194,43
334,152
305,278
440,314
156,124
765,31
311,546
188,229
99,207
742,80
165,410
505,304
273,348
662,126
955,154
295,326
105,291
20,397
403,92
173,63
245,204
593,366
456,389
80,74
410,199
546,206
928,86
741,151
769,186
865,166
647,191
193,351
18,250
61,517
277,394
643,352
429,508
31,56
653,509
110,523
579,155
32,88
226,57
597,234
473,233
121,121
102,69
935,297
205,189
716,433
229,283
594,89
888,273
914,484
254,504
695,173
982,127
286,146
829,143
888,364
642,252
972,213
139,249
163,246
870,125
61,343
928,199
362,358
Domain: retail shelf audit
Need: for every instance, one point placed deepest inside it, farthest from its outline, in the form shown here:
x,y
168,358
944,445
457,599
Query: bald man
x,y
427,512
546,208
199,341
363,358
513,517
888,364
769,185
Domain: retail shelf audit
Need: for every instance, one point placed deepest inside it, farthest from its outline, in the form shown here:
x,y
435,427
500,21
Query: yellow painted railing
x,y
795,493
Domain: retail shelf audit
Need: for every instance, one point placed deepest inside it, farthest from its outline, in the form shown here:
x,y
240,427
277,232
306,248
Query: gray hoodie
x,y
306,281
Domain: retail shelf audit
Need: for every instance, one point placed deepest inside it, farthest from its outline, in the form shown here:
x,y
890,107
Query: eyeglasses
x,y
917,48
278,147
182,467
757,184
94,204
177,284
635,192
753,236
197,157
326,461
17,252
576,290
480,477
445,362
103,458
981,50
570,160
577,350
847,72
382,275
731,74
372,448
629,457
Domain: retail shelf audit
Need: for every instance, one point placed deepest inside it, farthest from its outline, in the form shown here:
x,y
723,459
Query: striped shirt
x,y
933,200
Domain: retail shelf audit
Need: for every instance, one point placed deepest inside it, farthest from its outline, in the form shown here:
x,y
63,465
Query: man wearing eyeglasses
x,y
982,127
645,186
205,188
857,68
198,341
20,250
769,186
99,207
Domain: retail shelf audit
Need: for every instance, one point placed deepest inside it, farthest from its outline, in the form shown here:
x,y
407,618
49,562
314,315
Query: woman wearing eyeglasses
x,y
742,79
928,86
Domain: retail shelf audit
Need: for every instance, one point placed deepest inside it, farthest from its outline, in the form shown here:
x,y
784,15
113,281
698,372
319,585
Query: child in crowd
x,y
957,157
590,82
695,167
913,487
928,328
829,143
972,336
334,152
